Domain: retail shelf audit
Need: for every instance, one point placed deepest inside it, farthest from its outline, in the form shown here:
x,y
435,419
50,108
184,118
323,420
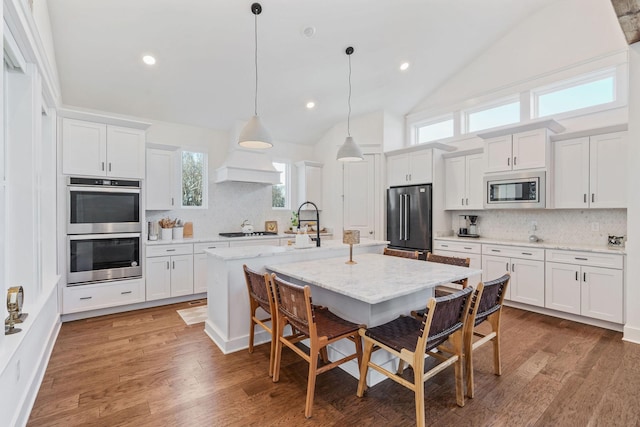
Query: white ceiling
x,y
204,74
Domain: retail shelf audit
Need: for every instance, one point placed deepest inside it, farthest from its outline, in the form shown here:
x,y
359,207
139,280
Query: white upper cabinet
x,y
463,182
518,151
411,168
309,183
98,149
160,181
591,172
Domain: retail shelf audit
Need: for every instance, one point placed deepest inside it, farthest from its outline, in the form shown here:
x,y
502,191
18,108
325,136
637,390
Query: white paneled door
x,y
359,196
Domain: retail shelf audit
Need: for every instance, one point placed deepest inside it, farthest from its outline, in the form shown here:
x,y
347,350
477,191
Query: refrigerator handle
x,y
406,214
401,215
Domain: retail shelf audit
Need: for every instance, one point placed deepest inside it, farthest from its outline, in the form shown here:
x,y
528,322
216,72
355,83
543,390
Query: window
x,y
194,179
435,130
596,89
280,194
493,116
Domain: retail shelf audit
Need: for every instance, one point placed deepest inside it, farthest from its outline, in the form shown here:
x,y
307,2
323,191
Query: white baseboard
x,y
631,334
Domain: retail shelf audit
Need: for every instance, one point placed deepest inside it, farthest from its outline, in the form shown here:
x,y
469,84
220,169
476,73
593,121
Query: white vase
x,y
178,233
165,233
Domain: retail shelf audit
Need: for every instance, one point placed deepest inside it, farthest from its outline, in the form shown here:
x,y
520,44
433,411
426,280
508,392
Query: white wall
x,y
229,202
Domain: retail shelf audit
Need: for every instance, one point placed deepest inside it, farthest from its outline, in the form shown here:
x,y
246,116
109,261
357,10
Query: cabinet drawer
x,y
164,250
102,295
472,248
585,258
514,252
199,248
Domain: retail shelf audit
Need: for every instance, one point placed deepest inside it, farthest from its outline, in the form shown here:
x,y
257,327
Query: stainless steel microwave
x,y
524,190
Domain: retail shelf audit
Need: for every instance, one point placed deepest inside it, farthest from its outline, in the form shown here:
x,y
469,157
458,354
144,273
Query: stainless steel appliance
x,y
468,226
515,191
98,257
97,205
409,217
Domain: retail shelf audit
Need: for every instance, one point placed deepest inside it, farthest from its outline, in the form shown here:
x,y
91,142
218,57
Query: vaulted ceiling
x,y
204,75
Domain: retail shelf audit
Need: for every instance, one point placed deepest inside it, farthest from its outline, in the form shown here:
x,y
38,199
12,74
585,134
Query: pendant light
x,y
254,134
349,152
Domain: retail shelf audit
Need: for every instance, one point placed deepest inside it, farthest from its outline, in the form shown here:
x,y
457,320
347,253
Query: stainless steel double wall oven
x,y
104,230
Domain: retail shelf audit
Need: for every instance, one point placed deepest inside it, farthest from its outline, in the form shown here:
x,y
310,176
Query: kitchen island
x,y
227,321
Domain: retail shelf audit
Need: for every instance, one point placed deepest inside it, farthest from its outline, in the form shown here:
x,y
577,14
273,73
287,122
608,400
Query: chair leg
x,y
364,367
272,352
324,355
251,332
458,367
494,320
418,389
278,354
400,367
468,370
311,381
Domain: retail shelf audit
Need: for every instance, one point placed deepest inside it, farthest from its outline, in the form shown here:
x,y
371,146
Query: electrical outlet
x,y
17,371
595,226
534,225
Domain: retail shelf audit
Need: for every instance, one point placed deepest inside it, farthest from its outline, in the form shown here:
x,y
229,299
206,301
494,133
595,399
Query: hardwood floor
x,y
147,368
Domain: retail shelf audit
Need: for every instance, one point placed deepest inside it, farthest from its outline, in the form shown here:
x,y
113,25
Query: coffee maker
x,y
468,226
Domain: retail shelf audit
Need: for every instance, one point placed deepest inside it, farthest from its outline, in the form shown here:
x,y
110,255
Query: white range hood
x,y
248,166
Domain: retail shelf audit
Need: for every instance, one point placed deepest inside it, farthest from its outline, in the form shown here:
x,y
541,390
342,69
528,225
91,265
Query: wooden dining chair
x,y
261,296
401,253
488,309
410,340
316,323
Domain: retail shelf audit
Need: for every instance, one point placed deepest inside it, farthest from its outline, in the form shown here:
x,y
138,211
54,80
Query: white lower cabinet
x,y
577,283
102,295
526,266
200,264
169,271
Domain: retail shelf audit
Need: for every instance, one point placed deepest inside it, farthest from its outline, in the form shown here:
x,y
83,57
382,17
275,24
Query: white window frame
x,y
414,127
287,186
205,177
464,114
618,73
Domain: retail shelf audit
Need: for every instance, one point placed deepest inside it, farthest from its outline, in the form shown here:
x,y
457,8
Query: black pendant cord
x,y
256,63
349,101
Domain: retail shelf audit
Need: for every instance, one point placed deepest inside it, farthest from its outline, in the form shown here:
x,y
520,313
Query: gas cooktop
x,y
255,233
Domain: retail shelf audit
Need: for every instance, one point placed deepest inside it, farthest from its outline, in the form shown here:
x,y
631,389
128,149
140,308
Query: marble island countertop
x,y
269,250
540,244
375,278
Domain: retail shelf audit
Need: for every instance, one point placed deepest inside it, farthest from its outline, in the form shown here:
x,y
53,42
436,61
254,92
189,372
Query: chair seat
x,y
400,333
331,326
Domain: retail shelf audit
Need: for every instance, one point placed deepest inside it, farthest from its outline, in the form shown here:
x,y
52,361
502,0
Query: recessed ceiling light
x,y
148,59
309,32
311,105
404,66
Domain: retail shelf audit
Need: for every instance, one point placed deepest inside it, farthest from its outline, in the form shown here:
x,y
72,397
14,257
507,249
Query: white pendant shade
x,y
350,152
255,135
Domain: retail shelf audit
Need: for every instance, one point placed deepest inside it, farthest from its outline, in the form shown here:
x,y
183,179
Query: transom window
x,y
434,130
492,116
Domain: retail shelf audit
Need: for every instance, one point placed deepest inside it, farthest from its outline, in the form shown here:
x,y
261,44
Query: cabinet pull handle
x,y
527,253
585,197
495,250
576,276
507,266
406,177
125,292
109,166
468,248
584,277
513,268
211,247
514,161
409,177
167,265
445,246
508,161
172,201
467,202
102,165
593,197
170,250
174,265
462,201
85,298
581,259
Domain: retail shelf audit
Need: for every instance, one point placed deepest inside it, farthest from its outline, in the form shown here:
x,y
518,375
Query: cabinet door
x,y
571,173
527,283
125,152
359,193
84,148
562,287
160,180
311,186
181,275
455,183
199,273
475,190
494,267
608,178
497,152
158,271
398,170
602,294
530,149
421,167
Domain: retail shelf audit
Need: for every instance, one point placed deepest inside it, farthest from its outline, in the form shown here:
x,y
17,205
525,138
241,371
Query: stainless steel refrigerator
x,y
409,217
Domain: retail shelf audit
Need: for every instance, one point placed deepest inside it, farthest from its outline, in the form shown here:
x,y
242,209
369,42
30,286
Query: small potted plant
x,y
294,220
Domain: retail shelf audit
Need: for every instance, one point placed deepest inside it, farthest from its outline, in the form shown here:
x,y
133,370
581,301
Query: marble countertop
x,y
375,278
216,238
542,244
267,250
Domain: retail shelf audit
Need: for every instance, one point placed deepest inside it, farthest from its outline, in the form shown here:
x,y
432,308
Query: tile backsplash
x,y
571,226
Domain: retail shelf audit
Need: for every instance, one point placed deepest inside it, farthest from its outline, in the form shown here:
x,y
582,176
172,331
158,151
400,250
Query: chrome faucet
x,y
317,220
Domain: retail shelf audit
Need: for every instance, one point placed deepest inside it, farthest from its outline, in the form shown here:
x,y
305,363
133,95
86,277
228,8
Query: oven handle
x,y
105,189
103,236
